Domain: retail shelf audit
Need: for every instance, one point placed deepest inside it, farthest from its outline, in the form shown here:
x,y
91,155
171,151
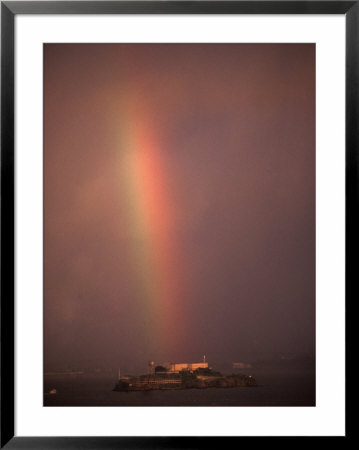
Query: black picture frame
x,y
9,10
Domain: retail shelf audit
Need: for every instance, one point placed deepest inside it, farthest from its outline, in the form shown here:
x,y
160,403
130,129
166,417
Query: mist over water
x,y
286,387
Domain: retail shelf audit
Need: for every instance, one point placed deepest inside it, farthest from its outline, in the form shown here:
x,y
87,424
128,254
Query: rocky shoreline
x,y
198,379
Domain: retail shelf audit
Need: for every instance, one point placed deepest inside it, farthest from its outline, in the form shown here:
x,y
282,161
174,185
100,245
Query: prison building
x,y
174,367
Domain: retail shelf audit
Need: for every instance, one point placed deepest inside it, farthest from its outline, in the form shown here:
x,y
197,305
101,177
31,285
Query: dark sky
x,y
179,202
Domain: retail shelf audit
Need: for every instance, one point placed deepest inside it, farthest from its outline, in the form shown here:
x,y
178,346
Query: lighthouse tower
x,y
151,365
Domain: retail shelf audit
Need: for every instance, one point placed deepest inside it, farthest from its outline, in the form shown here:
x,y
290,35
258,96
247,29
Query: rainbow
x,y
150,219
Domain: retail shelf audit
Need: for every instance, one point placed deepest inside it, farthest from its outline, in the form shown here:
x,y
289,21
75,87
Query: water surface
x,y
289,387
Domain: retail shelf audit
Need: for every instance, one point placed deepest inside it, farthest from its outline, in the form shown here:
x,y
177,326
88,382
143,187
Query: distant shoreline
x,y
79,372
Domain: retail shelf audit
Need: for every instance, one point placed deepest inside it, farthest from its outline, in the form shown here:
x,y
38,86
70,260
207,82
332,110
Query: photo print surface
x,y
179,225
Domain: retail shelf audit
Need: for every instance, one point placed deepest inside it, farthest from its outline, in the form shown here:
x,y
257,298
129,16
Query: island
x,y
183,376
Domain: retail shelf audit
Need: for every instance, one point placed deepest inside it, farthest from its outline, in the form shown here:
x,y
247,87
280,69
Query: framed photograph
x,y
179,214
